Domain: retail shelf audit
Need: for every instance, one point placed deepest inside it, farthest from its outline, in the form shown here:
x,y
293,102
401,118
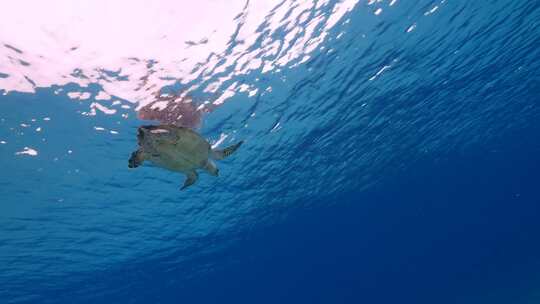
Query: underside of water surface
x,y
390,151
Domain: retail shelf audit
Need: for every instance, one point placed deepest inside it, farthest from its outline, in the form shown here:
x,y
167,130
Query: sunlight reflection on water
x,y
131,49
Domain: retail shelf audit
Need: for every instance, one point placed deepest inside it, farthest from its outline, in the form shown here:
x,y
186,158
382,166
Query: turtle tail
x,y
221,154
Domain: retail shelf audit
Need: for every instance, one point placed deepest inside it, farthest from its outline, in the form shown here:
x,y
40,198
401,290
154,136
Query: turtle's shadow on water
x,y
176,109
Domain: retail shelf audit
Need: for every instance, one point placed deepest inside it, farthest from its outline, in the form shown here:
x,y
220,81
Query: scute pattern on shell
x,y
174,148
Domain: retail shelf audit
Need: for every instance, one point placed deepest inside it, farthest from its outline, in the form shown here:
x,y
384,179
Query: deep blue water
x,y
414,183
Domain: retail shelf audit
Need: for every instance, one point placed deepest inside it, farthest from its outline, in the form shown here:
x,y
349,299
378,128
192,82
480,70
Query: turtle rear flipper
x,y
221,154
211,168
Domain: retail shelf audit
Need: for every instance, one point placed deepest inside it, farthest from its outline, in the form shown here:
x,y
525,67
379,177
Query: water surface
x,y
391,152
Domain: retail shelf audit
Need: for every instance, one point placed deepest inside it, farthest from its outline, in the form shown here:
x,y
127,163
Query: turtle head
x,y
150,133
144,132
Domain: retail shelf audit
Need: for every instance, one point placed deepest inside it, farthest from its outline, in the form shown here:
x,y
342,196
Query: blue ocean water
x,y
400,162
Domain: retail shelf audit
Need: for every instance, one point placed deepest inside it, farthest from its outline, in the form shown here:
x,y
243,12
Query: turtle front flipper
x,y
190,180
136,159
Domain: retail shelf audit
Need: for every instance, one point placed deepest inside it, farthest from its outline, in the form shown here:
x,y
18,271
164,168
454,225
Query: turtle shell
x,y
174,148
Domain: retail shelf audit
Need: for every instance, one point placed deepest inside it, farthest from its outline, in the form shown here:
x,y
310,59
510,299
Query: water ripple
x,y
330,96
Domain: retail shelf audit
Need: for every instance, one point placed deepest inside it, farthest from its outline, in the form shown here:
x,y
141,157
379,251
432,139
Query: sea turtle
x,y
177,149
